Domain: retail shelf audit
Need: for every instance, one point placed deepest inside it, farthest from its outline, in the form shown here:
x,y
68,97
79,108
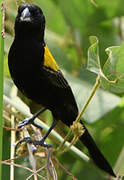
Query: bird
x,y
38,76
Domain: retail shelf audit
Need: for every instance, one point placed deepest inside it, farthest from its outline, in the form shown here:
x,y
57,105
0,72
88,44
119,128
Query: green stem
x,y
23,109
95,87
61,146
1,87
74,140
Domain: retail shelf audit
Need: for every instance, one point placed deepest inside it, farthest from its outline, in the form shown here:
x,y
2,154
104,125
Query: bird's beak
x,y
25,15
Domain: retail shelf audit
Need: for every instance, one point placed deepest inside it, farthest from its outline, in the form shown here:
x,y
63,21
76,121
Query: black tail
x,y
95,153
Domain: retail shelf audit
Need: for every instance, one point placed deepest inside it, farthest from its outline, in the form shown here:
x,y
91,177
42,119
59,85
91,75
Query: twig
x,y
21,166
55,177
7,162
37,171
31,156
93,2
74,140
17,157
3,19
13,139
25,111
11,129
95,87
52,172
67,172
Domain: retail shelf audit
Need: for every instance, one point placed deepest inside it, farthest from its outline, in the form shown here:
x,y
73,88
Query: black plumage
x,y
37,76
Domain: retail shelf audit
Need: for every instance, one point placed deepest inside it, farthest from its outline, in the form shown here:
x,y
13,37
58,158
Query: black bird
x,y
37,75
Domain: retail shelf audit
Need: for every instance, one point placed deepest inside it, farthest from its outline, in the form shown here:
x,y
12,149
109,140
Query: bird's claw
x,y
35,142
25,122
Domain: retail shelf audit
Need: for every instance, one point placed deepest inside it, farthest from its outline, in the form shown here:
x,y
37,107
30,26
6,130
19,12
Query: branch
x,y
23,109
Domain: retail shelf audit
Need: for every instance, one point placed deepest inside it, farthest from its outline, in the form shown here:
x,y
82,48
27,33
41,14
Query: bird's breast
x,y
25,60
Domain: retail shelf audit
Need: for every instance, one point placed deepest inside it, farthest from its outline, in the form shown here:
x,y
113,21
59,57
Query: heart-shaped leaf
x,y
112,74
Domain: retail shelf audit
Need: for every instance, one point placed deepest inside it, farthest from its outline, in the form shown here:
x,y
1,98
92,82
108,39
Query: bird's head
x,y
29,20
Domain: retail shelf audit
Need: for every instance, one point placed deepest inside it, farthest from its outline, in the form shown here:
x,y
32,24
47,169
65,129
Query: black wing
x,y
62,100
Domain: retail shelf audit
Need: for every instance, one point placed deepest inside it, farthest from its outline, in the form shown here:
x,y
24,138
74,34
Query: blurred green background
x,y
69,23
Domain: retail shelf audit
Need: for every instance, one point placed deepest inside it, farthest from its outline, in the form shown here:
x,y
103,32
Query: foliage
x,y
69,23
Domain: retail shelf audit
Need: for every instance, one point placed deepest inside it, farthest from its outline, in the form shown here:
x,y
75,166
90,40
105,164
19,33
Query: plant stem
x,y
13,139
95,87
23,109
31,155
1,85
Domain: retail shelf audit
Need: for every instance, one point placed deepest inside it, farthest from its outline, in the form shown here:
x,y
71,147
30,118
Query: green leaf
x,y
93,56
93,64
114,69
112,74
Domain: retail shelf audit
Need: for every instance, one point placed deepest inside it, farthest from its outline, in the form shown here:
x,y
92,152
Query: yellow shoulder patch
x,y
49,60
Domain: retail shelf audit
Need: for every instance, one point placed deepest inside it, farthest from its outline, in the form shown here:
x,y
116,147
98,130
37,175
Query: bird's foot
x,y
29,121
35,142
26,122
